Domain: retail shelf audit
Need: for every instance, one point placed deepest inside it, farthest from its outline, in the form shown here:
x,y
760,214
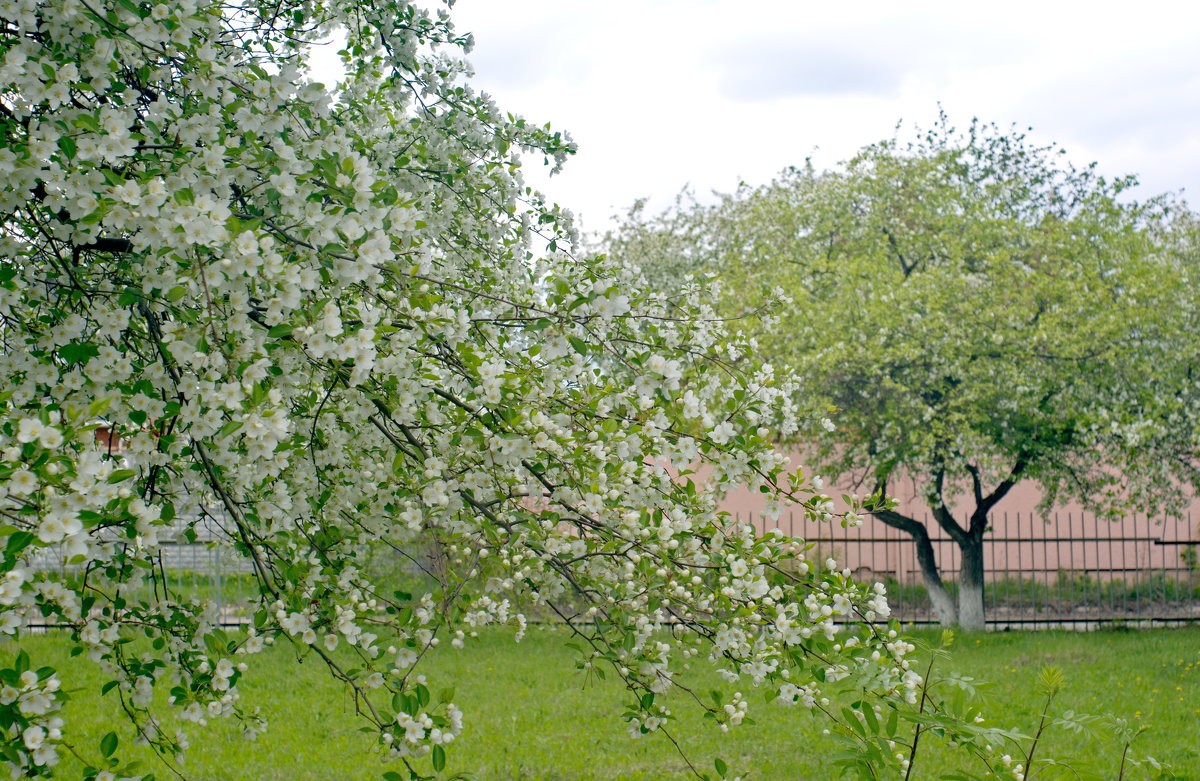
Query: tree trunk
x,y
943,606
939,597
970,584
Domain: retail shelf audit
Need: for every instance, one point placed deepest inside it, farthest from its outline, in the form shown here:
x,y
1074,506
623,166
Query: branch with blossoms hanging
x,y
317,324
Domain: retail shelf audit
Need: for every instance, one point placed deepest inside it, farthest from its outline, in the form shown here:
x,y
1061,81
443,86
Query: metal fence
x,y
195,559
1062,569
203,568
1065,568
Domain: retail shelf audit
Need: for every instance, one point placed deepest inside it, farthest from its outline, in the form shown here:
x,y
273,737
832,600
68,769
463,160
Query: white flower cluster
x,y
34,732
637,726
421,732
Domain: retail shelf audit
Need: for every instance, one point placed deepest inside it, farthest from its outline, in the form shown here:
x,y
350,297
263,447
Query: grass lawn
x,y
529,715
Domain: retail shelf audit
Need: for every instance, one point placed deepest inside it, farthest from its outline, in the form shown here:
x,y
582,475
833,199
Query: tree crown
x,y
976,307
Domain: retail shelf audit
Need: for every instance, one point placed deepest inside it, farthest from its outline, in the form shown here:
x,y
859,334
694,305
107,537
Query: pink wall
x,y
1020,541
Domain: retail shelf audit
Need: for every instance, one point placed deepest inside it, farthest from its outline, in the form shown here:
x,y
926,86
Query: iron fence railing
x,y
1061,569
1055,569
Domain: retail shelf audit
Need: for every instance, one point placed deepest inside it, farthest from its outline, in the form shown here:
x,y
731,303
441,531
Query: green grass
x,y
529,715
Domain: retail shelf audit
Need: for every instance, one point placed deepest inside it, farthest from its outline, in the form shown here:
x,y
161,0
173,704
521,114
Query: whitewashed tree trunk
x,y
970,586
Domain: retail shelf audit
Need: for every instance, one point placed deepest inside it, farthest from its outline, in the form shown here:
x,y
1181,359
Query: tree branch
x,y
984,504
941,512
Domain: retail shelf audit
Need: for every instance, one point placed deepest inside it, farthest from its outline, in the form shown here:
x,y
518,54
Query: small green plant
x,y
876,743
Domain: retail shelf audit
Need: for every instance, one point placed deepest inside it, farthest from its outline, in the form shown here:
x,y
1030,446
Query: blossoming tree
x,y
981,312
317,321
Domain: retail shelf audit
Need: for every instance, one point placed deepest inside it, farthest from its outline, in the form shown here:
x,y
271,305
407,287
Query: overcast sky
x,y
660,94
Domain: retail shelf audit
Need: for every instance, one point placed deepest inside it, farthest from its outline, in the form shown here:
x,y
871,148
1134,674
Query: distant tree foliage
x,y
980,312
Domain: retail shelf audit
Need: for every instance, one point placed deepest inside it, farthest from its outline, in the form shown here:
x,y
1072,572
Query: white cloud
x,y
664,93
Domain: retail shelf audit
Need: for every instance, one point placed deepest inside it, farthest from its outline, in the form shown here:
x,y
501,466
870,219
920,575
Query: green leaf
x,y
78,352
17,542
108,744
872,721
578,345
132,7
214,645
439,758
87,122
892,723
67,145
852,721
720,766
1051,679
